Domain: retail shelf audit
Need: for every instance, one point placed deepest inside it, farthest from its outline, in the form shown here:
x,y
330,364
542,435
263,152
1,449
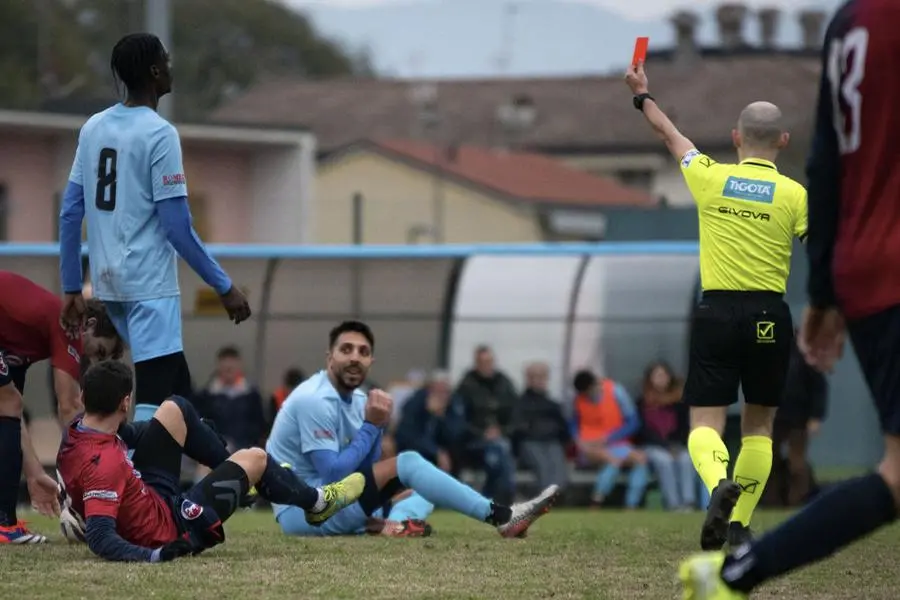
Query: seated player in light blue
x,y
328,428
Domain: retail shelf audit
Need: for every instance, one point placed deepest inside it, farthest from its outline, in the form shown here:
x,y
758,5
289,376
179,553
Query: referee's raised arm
x,y
741,329
674,140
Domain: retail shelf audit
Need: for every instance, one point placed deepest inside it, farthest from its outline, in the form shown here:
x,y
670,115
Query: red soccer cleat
x,y
407,528
19,534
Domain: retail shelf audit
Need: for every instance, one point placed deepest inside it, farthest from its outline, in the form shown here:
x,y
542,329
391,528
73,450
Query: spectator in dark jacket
x,y
432,423
664,436
232,403
489,396
541,431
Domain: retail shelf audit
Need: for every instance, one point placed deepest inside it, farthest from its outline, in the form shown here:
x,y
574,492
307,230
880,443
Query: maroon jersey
x,y
102,482
854,169
30,329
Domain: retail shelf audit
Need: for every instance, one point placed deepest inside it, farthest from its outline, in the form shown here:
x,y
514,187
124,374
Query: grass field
x,y
569,554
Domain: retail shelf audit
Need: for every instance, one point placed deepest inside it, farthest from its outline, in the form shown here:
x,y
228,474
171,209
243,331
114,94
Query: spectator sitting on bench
x,y
604,421
540,430
489,396
232,403
292,378
432,423
664,437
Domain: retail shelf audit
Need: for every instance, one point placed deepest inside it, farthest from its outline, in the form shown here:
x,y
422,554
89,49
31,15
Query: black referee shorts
x,y
739,339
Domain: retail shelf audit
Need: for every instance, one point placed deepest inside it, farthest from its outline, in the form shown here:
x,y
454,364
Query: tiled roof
x,y
521,176
577,113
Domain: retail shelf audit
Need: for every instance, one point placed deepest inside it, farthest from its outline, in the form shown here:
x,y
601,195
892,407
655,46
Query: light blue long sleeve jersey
x,y
127,181
322,434
127,160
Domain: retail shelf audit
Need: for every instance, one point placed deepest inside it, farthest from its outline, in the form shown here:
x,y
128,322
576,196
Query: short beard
x,y
340,378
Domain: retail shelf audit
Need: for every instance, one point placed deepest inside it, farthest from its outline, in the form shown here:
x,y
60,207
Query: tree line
x,y
56,52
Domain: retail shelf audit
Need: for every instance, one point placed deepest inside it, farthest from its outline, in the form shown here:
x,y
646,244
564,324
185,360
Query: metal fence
x,y
613,307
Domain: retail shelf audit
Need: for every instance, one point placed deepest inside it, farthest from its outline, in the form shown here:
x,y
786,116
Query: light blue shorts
x,y
151,328
620,451
349,521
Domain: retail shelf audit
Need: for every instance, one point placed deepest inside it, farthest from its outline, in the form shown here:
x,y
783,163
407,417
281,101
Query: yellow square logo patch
x,y
765,331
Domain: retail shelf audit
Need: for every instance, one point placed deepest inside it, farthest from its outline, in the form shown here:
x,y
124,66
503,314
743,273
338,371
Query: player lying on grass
x,y
327,428
30,332
134,510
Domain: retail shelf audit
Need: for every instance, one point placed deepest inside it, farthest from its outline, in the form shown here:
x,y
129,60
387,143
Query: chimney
x,y
768,27
731,25
812,22
685,23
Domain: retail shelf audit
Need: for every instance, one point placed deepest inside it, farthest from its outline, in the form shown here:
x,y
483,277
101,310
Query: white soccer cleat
x,y
526,513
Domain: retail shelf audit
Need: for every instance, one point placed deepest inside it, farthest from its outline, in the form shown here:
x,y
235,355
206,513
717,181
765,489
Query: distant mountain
x,y
470,38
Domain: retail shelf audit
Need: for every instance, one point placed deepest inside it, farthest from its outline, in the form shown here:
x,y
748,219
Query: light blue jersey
x,y
314,417
128,159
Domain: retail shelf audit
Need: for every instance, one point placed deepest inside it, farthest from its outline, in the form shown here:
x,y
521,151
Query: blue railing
x,y
237,251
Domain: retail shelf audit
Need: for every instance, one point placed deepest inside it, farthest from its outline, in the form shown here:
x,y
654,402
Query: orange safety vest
x,y
280,395
597,420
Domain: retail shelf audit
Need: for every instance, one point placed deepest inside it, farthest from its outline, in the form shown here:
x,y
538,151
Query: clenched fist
x,y
379,408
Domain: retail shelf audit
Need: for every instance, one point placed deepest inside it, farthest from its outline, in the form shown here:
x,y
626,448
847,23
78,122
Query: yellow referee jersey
x,y
749,214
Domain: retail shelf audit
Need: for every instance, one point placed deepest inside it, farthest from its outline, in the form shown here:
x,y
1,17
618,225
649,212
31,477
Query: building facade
x,y
238,178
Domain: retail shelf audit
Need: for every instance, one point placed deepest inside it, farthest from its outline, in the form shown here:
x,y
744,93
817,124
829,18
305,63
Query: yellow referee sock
x,y
751,471
709,454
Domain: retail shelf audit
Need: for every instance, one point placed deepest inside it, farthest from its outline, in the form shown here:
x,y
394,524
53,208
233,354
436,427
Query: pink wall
x,y
28,168
27,164
223,179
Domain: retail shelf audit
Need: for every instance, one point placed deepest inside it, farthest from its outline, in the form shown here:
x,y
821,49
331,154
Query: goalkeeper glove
x,y
172,550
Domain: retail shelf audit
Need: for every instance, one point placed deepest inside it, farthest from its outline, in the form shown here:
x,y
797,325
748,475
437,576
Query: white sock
x,y
320,503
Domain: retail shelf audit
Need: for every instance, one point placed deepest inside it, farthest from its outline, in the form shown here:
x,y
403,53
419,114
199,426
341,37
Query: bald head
x,y
761,125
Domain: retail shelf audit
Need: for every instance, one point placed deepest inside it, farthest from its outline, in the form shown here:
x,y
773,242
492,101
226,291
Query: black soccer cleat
x,y
714,533
738,535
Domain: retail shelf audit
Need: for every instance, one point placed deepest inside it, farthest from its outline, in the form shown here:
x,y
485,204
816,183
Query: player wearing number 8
x,y
741,330
128,181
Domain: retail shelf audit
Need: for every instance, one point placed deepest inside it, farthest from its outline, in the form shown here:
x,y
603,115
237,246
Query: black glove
x,y
175,549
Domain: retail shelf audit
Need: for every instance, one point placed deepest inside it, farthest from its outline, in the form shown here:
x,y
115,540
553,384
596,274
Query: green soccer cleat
x,y
249,499
337,496
702,580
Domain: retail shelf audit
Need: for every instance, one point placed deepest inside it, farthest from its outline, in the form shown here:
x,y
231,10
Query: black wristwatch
x,y
639,101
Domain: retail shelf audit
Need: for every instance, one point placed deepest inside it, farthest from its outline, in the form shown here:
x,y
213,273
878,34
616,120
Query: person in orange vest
x,y
604,421
292,378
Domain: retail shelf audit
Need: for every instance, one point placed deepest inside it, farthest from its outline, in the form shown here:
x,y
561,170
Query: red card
x,y
640,50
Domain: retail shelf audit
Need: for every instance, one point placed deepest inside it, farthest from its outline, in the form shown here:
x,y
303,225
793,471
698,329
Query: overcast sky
x,y
642,9
482,38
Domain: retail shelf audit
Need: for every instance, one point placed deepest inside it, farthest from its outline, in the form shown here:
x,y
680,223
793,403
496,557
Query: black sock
x,y
202,442
500,515
838,517
280,486
10,467
225,487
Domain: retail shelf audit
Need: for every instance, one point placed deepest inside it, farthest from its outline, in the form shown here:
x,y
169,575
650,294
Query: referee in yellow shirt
x,y
741,330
